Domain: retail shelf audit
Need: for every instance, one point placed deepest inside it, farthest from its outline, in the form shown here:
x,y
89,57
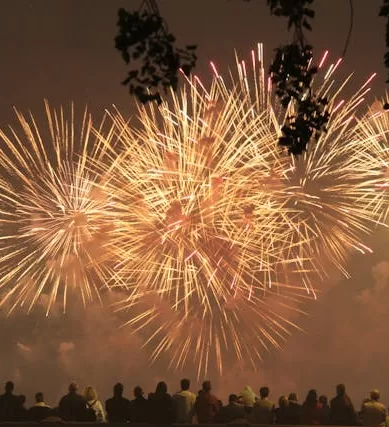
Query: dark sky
x,y
63,50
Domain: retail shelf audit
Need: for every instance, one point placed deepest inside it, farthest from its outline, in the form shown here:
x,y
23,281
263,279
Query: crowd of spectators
x,y
185,407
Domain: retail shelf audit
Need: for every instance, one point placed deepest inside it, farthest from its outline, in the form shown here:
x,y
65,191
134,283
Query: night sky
x,y
63,50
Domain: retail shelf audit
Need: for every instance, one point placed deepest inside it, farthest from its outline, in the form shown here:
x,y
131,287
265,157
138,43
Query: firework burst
x,y
331,190
202,233
373,131
55,213
332,187
222,233
218,235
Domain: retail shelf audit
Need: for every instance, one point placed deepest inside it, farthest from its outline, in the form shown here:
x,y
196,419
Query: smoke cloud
x,y
344,340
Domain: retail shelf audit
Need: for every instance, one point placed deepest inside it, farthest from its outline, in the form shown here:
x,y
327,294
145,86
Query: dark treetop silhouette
x,y
143,37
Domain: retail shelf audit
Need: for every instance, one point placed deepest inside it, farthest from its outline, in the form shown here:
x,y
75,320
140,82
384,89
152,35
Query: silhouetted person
x,y
207,405
94,408
118,407
247,398
139,407
373,412
342,412
184,402
9,403
40,410
232,412
53,416
359,414
72,406
263,410
161,405
311,409
21,410
325,409
294,409
281,413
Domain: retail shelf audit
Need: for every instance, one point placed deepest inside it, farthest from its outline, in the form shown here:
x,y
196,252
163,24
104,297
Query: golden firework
x,y
221,233
56,215
202,230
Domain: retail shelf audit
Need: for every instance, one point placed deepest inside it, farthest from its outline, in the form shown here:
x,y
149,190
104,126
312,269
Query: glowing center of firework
x,y
174,216
79,219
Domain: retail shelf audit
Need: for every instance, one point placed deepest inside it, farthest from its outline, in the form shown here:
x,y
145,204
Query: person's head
x,y
161,388
375,395
185,384
283,402
232,398
22,399
90,393
138,392
118,389
293,397
9,387
73,388
39,397
323,400
311,398
340,390
207,386
264,392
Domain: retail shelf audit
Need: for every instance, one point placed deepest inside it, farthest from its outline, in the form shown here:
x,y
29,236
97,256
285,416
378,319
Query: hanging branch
x,y
350,27
146,44
292,74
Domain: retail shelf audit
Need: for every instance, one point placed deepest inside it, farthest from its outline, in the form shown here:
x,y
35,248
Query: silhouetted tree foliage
x,y
143,39
292,74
